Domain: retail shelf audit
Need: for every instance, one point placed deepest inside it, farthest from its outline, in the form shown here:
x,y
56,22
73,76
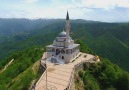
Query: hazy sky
x,y
98,10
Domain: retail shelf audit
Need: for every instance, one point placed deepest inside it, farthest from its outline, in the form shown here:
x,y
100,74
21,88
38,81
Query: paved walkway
x,y
58,76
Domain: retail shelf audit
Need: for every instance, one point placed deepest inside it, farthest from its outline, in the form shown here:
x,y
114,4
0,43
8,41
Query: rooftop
x,y
70,47
62,34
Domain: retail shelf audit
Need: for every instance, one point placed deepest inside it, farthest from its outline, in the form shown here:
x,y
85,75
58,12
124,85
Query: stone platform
x,y
59,76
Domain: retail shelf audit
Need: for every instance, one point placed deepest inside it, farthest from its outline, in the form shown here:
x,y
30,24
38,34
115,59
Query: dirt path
x,y
6,66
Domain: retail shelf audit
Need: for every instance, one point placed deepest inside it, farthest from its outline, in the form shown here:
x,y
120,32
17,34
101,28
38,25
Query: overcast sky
x,y
98,10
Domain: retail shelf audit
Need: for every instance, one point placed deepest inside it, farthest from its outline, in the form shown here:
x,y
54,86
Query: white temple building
x,y
60,62
63,50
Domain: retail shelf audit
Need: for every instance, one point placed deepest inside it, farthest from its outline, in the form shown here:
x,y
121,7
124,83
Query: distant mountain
x,y
15,26
23,27
108,40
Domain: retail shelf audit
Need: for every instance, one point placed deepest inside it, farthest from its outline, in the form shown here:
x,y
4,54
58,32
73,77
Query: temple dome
x,y
62,34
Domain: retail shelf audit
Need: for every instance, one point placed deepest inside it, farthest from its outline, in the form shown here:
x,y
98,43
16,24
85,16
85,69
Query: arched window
x,y
62,51
57,51
62,57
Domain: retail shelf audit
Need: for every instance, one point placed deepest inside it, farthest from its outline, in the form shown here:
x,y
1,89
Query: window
x,y
57,51
62,57
62,51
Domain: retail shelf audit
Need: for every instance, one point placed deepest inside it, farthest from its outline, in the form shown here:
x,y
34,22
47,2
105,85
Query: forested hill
x,y
109,40
14,26
24,71
16,32
103,75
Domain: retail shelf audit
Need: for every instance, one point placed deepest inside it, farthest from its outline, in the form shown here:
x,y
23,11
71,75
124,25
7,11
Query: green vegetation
x,y
104,39
104,76
83,47
109,40
101,76
21,72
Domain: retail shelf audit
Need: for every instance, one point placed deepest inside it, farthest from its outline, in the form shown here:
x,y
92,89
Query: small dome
x,y
62,34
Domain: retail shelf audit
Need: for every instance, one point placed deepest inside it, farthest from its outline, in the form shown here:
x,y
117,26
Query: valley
x,y
109,40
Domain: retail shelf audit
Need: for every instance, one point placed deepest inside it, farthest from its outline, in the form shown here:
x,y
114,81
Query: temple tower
x,y
67,28
63,50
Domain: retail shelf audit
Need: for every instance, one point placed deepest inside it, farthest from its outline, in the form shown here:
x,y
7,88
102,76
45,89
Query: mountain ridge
x,y
99,76
100,37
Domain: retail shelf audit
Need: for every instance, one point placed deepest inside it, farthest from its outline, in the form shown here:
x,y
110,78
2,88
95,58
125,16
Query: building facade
x,y
63,50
